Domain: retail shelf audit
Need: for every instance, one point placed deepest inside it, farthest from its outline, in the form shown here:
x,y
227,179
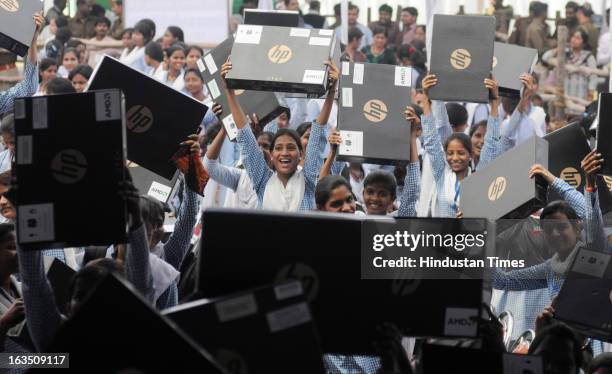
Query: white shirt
x,y
5,160
179,82
136,60
522,126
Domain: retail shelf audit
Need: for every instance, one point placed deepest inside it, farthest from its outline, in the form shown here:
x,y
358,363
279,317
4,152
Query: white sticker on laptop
x,y
461,322
289,317
19,109
288,290
230,127
39,113
108,106
36,223
213,89
521,364
24,150
325,32
201,66
237,307
358,71
352,143
300,33
347,97
403,76
346,68
248,34
591,263
159,191
210,63
324,42
314,76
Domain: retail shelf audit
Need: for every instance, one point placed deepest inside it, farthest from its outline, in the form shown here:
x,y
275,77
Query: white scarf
x,y
285,198
427,205
561,267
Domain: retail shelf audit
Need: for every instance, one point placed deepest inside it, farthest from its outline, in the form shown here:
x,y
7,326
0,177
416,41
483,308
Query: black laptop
x,y
116,330
265,330
585,300
604,132
158,117
17,25
284,18
509,62
324,251
151,184
69,164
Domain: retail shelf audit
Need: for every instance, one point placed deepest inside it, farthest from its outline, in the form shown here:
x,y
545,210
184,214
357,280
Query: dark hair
x,y
538,8
461,137
84,70
559,206
54,49
326,186
128,30
45,64
59,85
382,177
192,47
177,33
71,50
103,20
602,361
380,30
74,43
573,5
288,132
146,28
175,47
61,21
88,278
457,114
154,51
385,8
301,129
417,109
195,71
424,27
586,10
354,33
287,111
63,34
559,331
97,11
477,126
353,7
411,10
6,178
585,38
5,229
315,5
267,134
79,2
152,211
8,125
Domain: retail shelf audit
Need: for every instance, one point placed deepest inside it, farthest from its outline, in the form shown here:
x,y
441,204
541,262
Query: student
x,y
154,58
194,85
174,76
48,71
79,77
128,43
477,137
333,194
303,131
172,35
29,84
194,54
351,51
378,53
49,32
70,60
560,349
526,120
7,131
281,122
288,188
450,162
242,194
143,33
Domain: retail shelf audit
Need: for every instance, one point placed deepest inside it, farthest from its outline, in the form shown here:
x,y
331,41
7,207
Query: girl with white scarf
x,y
451,164
287,188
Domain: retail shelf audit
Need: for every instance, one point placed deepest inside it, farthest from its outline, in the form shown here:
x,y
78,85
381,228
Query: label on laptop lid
x,y
289,317
591,263
238,307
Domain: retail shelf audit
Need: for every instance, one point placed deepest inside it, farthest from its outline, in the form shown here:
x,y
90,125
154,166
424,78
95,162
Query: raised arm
x,y
438,108
330,165
254,161
509,133
432,142
530,278
574,198
593,221
412,182
492,147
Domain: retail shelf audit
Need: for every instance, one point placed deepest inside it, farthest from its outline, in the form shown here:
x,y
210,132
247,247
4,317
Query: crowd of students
x,y
289,165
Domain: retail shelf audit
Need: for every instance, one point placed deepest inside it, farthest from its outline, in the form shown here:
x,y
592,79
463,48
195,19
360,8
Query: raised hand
x,y
592,165
538,169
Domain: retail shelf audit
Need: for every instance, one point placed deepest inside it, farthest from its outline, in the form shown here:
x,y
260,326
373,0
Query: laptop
x,y
585,300
509,62
17,25
69,164
604,132
158,118
117,330
264,330
324,252
156,186
284,18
